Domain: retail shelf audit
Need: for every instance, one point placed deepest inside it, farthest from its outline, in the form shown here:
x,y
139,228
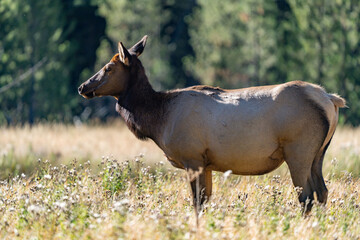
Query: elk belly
x,y
247,158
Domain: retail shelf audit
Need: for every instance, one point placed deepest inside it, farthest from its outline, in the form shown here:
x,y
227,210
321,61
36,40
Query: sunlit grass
x,y
61,187
60,144
131,200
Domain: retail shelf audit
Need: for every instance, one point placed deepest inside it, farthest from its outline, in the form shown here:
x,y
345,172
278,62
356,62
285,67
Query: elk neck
x,y
142,108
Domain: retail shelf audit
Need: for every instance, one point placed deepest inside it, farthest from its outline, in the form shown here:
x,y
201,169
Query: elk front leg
x,y
201,187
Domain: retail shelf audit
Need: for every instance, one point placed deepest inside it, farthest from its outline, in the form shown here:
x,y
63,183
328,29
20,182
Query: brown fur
x,y
143,109
250,131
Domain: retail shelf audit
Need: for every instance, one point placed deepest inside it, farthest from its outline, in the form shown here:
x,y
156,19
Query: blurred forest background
x,y
49,47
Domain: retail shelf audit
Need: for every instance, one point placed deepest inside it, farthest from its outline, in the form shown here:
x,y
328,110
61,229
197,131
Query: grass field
x,y
93,182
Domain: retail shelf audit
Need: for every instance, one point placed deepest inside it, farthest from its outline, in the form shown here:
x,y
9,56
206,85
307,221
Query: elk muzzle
x,y
88,88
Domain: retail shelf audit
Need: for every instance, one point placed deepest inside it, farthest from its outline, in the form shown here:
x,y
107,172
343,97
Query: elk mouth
x,y
87,93
87,89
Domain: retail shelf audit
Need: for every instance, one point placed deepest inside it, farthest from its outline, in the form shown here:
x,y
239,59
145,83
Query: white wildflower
x,y
16,232
314,225
227,174
122,202
120,206
47,177
61,205
35,209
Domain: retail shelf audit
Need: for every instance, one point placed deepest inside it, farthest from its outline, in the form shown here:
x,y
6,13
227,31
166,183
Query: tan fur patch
x,y
115,58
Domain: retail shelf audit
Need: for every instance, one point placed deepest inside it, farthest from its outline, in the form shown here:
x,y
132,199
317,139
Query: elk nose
x,y
80,89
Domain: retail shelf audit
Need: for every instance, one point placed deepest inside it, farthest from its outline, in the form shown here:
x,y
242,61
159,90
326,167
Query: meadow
x,y
100,182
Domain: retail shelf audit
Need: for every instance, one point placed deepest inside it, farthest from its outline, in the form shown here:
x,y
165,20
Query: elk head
x,y
114,77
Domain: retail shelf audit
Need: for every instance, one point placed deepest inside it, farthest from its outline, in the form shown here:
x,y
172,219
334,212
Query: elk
x,y
250,131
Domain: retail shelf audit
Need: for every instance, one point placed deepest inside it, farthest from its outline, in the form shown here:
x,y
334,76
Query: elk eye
x,y
107,69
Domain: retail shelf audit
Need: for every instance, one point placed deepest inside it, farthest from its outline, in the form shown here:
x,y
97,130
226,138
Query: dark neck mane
x,y
142,108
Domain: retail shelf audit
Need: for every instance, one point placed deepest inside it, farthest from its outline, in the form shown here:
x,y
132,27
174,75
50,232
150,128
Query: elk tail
x,y
338,101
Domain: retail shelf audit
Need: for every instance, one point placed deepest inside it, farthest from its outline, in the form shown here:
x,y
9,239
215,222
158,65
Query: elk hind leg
x,y
300,163
317,176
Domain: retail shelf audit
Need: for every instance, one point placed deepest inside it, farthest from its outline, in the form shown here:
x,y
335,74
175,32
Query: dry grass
x,y
20,147
130,200
69,142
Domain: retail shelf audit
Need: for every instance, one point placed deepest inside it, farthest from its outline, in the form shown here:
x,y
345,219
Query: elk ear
x,y
138,48
124,55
